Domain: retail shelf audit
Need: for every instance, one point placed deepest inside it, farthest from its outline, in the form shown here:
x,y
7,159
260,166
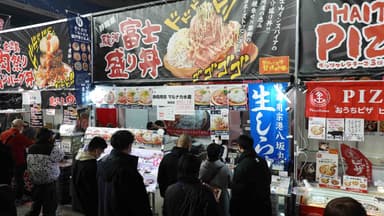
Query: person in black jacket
x,y
7,195
84,180
120,186
189,196
167,173
251,182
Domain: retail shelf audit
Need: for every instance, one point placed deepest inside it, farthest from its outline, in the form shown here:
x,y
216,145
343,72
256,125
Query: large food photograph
x,y
208,40
52,71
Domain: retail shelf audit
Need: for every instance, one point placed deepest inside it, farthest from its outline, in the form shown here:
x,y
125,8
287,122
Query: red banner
x,y
363,99
357,163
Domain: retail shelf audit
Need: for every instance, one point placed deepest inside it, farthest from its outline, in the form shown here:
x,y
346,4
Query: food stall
x,y
338,135
190,64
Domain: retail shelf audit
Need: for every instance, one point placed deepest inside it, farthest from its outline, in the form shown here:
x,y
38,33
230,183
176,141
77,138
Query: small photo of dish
x,y
219,123
220,97
237,96
109,98
83,47
85,66
84,57
145,97
202,96
132,96
317,130
78,66
75,46
121,97
76,56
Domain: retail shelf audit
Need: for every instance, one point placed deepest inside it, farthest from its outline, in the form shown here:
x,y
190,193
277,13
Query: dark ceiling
x,y
28,12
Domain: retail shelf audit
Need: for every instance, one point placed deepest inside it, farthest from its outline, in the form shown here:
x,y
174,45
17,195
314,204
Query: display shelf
x,y
316,198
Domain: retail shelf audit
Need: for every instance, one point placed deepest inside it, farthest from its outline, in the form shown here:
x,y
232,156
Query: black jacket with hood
x,y
84,183
121,187
251,186
167,174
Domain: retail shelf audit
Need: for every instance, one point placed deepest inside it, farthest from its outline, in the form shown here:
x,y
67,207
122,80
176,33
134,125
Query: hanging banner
x,y
35,57
358,164
195,40
80,42
345,100
341,38
56,99
269,120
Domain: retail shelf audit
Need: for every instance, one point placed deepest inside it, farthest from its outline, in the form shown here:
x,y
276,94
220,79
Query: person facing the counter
x,y
120,186
84,179
251,191
167,174
18,143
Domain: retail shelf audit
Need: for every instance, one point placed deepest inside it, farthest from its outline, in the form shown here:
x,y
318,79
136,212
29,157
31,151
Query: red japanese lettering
x,y
19,62
5,61
148,31
149,61
116,64
132,62
70,99
129,29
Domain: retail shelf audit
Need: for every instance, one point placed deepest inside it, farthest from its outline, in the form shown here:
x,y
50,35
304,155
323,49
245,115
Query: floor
x,y
66,210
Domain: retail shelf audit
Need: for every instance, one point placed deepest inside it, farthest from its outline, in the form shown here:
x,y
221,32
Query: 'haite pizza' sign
x,y
341,37
345,100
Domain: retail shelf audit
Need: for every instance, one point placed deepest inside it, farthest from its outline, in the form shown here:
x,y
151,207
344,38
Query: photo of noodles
x,y
220,97
202,96
52,69
219,123
206,41
237,96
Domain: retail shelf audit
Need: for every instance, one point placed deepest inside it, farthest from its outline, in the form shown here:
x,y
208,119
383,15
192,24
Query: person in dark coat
x,y
250,194
7,195
167,173
121,187
189,196
216,173
84,179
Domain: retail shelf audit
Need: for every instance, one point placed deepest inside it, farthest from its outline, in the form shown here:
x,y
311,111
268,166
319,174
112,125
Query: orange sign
x,y
274,65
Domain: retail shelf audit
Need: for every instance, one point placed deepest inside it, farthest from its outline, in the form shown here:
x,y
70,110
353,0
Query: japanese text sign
x,y
194,40
341,36
35,57
179,97
52,99
269,120
345,100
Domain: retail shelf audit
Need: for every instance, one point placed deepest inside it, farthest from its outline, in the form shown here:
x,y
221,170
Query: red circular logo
x,y
319,97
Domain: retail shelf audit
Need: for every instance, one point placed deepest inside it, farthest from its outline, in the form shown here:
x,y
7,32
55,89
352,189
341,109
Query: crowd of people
x,y
112,185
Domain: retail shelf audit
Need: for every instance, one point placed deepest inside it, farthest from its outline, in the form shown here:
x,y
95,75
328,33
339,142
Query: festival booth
x,y
44,77
212,70
339,138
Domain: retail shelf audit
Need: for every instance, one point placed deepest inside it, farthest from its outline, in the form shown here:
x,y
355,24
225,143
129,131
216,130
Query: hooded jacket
x,y
84,183
217,174
251,186
121,187
167,173
43,162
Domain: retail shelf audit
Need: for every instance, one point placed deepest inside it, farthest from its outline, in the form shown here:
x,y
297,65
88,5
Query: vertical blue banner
x,y
270,120
80,47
